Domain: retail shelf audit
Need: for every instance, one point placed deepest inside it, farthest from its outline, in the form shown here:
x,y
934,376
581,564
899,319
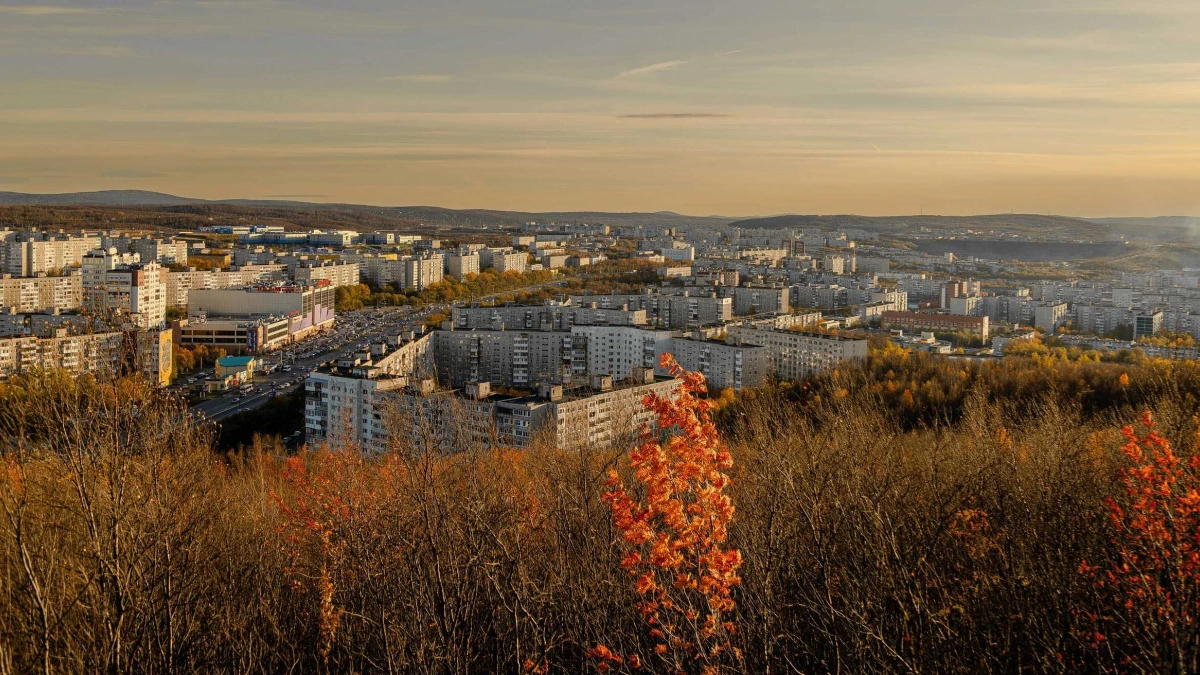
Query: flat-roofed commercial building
x,y
314,300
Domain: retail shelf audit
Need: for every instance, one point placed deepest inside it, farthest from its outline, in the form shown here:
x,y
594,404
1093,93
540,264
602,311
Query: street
x,y
352,332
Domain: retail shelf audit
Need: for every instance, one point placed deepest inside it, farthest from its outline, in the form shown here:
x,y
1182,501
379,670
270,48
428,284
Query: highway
x,y
350,330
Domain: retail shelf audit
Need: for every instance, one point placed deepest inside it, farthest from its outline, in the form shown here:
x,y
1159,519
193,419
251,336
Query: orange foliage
x,y
1154,582
674,535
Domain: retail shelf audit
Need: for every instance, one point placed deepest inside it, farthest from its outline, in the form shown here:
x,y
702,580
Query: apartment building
x,y
97,352
554,261
462,264
617,351
136,293
757,299
724,366
253,255
602,415
504,358
336,273
107,353
515,261
164,251
96,265
1049,316
27,254
422,272
542,317
407,273
36,294
915,322
684,311
794,355
353,405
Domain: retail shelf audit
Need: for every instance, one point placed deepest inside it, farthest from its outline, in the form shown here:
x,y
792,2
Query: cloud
x,y
422,77
670,116
41,10
652,68
100,51
130,174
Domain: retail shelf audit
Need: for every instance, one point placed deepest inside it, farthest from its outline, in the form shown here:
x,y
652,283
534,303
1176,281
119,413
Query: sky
x,y
754,107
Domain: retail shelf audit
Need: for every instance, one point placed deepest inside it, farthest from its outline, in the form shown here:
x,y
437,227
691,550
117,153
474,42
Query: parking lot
x,y
291,365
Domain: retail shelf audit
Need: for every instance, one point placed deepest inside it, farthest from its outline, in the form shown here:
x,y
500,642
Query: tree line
x,y
1015,516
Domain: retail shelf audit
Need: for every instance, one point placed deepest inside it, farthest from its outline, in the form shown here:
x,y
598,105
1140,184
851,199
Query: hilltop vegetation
x,y
1016,223
914,514
156,208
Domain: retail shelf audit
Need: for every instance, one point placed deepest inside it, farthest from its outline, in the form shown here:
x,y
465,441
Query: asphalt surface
x,y
350,330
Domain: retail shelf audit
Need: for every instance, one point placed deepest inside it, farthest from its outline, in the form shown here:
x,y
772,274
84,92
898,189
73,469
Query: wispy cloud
x,y
130,174
42,10
420,77
671,116
652,68
100,51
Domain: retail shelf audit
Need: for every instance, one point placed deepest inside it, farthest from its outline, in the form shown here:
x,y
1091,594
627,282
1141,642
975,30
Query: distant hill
x,y
1156,221
429,214
907,225
100,198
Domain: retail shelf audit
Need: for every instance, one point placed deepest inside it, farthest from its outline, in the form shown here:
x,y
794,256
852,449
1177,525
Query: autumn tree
x,y
673,523
1149,617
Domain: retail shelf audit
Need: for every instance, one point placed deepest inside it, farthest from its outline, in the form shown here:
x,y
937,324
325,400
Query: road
x,y
350,330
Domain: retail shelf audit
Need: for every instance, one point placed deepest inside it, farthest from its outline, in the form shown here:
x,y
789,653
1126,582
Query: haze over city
x,y
748,108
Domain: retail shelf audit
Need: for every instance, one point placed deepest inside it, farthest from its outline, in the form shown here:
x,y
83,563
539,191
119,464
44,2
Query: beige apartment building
x,y
35,294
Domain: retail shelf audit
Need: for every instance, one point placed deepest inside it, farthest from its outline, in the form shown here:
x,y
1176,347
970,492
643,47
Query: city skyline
x,y
1061,107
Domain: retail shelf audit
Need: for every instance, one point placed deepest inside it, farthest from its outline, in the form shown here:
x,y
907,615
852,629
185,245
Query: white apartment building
x,y
27,254
724,366
165,251
462,264
96,265
180,284
617,351
406,273
1049,316
795,355
137,292
338,274
422,272
510,262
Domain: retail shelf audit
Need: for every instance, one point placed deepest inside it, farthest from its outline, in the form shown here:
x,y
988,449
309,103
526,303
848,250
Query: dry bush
x,y
870,544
